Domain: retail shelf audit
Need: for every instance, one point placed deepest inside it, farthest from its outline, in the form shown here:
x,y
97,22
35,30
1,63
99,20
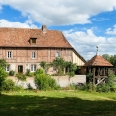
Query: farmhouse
x,y
25,48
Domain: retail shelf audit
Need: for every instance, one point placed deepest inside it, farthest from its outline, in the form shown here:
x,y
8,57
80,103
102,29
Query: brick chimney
x,y
44,28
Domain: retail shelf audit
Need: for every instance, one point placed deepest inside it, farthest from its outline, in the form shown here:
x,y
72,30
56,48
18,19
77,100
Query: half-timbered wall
x,y
23,56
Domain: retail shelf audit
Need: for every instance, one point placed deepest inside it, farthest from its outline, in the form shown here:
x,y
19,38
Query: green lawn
x,y
58,103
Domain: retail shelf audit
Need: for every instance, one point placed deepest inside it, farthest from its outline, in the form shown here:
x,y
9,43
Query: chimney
x,y
44,28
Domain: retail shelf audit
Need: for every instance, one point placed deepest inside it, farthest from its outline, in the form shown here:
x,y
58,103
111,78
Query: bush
x,y
31,74
21,76
45,82
27,72
11,73
102,88
8,85
18,88
39,71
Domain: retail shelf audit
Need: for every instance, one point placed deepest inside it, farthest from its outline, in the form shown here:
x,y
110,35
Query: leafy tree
x,y
106,56
3,63
3,75
44,66
59,64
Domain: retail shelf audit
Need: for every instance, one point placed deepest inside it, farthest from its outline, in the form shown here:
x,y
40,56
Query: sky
x,y
85,23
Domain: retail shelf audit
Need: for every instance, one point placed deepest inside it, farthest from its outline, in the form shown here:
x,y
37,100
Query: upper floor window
x,y
9,54
33,54
33,41
33,67
58,54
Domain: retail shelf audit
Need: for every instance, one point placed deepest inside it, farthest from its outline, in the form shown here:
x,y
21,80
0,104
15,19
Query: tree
x,y
59,64
3,75
3,63
44,66
106,56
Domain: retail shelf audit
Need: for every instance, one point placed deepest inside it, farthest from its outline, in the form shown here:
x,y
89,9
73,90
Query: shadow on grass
x,y
14,105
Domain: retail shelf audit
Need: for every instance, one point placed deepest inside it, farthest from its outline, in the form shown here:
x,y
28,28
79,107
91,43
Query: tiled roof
x,y
98,60
19,37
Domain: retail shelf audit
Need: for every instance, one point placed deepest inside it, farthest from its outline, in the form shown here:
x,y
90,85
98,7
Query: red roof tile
x,y
20,37
98,60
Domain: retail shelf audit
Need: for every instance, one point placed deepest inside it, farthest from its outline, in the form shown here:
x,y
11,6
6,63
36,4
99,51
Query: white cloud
x,y
85,43
61,12
110,31
27,24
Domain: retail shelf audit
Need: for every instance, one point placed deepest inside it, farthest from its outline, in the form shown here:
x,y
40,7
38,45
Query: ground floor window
x,y
33,67
7,68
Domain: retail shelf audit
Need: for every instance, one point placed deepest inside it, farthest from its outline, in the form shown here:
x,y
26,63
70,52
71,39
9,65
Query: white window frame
x,y
9,54
7,68
58,54
33,67
33,55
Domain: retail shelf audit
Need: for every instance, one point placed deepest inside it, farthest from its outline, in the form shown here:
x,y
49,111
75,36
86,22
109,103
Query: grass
x,y
57,103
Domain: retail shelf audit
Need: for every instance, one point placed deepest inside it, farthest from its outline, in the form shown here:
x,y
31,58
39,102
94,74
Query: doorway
x,y
20,68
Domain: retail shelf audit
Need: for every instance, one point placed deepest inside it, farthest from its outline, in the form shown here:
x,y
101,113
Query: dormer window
x,y
33,41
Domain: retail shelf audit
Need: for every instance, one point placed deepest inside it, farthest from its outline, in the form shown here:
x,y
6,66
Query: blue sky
x,y
85,23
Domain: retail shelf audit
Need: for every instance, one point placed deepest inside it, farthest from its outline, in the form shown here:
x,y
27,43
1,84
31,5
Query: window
x,y
9,54
33,67
57,54
33,41
33,54
7,68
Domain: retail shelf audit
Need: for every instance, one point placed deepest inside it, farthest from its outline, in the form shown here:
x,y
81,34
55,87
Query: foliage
x,y
59,64
18,88
3,75
21,76
103,88
11,73
45,66
8,85
27,72
72,67
89,78
106,56
39,71
3,63
110,58
44,81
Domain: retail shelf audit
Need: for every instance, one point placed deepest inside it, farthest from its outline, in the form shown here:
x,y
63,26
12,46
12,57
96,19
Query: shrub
x,y
27,72
18,88
45,82
8,85
102,88
31,74
11,73
39,71
21,76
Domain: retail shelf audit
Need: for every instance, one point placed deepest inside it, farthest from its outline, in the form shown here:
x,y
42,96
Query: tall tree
x,y
3,73
106,56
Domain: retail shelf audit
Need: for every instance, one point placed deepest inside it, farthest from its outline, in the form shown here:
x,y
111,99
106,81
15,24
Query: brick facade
x,y
18,45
